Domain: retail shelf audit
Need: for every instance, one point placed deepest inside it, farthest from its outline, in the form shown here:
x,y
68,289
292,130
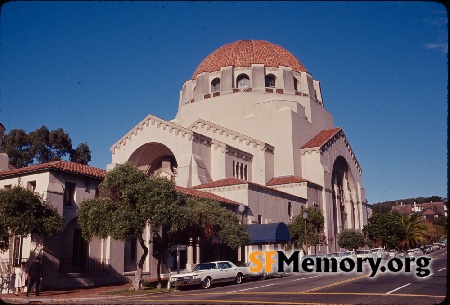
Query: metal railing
x,y
87,265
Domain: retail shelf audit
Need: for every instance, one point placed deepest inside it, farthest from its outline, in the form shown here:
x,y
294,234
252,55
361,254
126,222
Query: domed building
x,y
252,129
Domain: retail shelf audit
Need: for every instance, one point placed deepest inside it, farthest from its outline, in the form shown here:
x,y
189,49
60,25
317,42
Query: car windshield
x,y
362,252
205,266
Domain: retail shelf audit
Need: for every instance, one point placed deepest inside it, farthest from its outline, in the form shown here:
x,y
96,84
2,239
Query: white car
x,y
380,252
205,274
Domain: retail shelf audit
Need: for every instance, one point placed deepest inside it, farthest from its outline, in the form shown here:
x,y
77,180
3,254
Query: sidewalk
x,y
74,295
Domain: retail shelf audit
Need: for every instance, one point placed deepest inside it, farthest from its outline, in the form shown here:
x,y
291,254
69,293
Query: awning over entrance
x,y
271,233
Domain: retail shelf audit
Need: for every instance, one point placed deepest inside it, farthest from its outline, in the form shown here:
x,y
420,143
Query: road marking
x,y
251,288
442,269
305,278
334,284
398,288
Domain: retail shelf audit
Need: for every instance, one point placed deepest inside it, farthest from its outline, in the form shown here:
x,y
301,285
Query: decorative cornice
x,y
200,123
160,123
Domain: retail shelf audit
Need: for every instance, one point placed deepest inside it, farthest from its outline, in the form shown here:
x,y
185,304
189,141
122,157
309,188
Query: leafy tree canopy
x,y
213,223
129,201
384,229
41,146
23,212
314,227
351,239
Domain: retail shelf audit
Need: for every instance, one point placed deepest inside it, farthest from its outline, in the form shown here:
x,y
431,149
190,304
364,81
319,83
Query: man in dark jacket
x,y
35,274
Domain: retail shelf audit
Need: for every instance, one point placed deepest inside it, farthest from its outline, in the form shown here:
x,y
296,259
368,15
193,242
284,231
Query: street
x,y
321,288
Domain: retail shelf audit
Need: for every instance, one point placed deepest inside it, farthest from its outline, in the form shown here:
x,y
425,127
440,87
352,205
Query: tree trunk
x,y
136,284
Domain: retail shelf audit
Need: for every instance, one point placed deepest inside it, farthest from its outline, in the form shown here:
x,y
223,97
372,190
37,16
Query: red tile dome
x,y
244,53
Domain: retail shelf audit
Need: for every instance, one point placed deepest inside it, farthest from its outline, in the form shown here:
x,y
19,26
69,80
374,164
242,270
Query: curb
x,y
31,300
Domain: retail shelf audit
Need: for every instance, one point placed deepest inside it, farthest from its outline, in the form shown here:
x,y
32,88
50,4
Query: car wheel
x,y
206,283
263,276
238,278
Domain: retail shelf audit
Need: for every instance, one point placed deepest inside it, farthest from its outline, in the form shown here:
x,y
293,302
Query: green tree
x,y
384,230
17,145
23,212
41,146
213,223
128,202
314,227
415,230
81,154
351,239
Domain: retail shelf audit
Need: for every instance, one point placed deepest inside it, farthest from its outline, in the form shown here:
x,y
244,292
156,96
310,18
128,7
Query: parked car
x,y
380,252
206,274
401,254
363,253
413,252
392,253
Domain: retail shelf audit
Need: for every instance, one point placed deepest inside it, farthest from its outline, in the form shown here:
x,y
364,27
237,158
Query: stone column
x,y
190,255
197,254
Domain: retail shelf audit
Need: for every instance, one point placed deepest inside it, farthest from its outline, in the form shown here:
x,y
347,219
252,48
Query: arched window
x,y
243,81
270,80
295,84
215,85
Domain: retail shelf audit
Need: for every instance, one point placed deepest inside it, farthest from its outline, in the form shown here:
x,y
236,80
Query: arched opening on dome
x,y
295,84
270,80
155,158
215,85
243,81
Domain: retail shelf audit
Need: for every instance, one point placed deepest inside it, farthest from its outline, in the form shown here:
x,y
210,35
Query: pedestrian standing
x,y
23,266
35,274
18,279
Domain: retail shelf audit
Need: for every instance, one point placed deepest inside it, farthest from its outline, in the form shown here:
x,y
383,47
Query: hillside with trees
x,y
386,206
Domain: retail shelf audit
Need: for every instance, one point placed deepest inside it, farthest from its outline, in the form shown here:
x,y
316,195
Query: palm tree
x,y
415,230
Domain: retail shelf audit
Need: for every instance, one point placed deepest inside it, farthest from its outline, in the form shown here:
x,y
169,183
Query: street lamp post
x,y
305,217
241,210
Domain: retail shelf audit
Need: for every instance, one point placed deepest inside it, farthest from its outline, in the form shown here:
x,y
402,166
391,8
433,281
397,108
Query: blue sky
x,y
96,69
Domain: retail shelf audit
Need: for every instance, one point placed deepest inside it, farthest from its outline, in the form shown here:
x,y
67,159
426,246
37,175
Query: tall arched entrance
x,y
343,201
155,158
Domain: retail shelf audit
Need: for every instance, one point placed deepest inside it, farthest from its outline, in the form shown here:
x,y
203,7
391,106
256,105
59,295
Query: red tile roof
x,y
244,53
322,138
285,180
64,166
206,195
236,181
222,182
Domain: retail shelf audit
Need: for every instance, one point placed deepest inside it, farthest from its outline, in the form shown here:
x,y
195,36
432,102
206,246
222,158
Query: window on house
x,y
242,171
270,80
243,81
133,249
215,85
260,219
234,171
237,170
290,210
31,186
69,193
86,184
245,172
295,84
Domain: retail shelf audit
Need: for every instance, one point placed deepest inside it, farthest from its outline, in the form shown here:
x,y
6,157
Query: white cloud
x,y
437,46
